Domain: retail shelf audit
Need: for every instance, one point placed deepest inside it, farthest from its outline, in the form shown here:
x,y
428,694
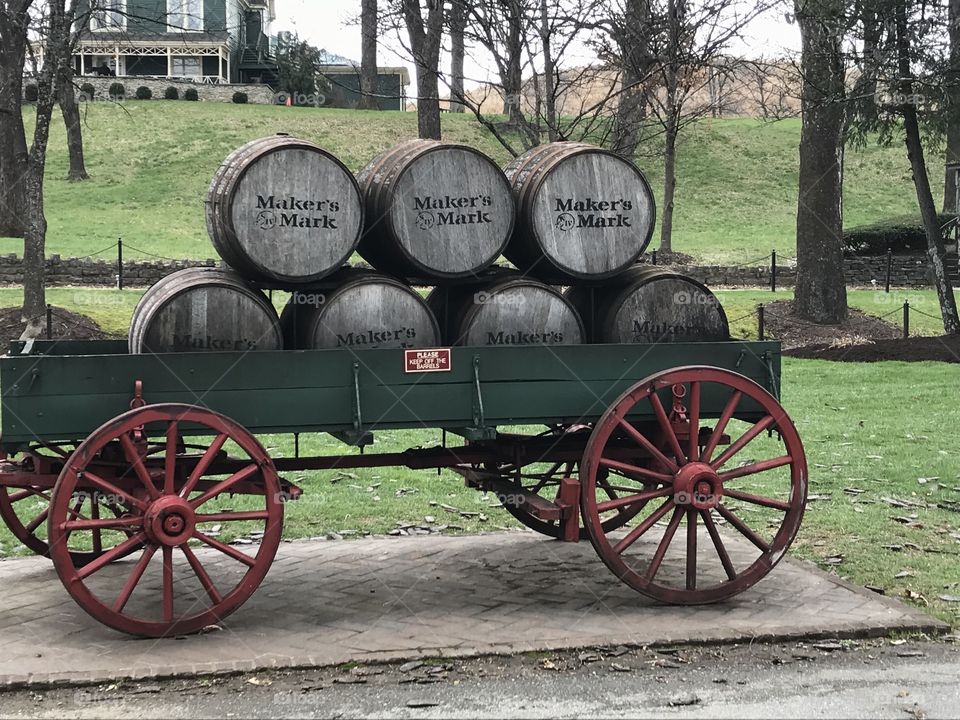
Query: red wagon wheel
x,y
692,483
172,500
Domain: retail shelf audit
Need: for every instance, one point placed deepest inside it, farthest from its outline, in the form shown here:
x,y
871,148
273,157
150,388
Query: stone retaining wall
x,y
906,272
256,94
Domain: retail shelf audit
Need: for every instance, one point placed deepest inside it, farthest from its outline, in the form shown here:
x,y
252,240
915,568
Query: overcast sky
x,y
326,24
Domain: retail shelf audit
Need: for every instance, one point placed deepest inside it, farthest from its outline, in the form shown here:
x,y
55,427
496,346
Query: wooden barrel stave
x,y
360,310
203,310
650,305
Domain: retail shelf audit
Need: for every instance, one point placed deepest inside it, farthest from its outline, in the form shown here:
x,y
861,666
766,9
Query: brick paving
x,y
327,603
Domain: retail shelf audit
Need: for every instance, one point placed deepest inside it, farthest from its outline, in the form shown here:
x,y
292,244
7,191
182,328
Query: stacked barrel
x,y
431,219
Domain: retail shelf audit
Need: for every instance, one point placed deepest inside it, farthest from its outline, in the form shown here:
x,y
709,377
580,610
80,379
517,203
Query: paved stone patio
x,y
331,602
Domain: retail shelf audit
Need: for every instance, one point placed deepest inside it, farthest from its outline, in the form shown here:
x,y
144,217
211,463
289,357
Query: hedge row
x,y
904,234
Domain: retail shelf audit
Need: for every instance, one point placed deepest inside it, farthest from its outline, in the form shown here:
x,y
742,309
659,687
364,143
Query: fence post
x,y
653,255
49,321
773,271
119,263
760,322
906,319
889,267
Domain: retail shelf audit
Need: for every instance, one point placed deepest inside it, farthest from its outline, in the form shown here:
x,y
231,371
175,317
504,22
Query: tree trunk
x,y
669,184
953,110
71,118
425,37
549,86
635,61
928,209
13,143
821,292
369,76
512,79
458,51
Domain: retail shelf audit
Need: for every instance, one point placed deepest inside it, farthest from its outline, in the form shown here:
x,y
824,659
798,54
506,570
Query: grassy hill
x,y
151,163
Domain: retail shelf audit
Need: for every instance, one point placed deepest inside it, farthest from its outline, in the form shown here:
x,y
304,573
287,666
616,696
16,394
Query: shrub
x,y
31,93
144,93
88,92
904,234
171,93
240,98
191,95
117,91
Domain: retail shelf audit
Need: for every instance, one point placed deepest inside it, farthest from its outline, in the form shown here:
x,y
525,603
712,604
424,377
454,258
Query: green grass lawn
x,y
151,163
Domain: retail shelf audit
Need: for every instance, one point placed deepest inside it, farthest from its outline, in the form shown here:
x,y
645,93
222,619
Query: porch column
x,y
116,59
83,62
169,62
220,64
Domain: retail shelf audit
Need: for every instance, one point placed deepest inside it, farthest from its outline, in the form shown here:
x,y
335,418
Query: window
x,y
185,15
186,67
107,15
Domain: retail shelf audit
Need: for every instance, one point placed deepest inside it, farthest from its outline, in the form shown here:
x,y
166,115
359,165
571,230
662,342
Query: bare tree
x,y
953,107
821,293
369,75
14,21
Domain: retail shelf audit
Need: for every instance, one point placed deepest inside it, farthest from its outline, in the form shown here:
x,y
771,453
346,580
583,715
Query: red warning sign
x,y
425,361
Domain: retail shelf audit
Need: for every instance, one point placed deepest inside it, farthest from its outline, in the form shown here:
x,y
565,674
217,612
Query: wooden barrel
x,y
650,305
359,310
284,211
508,310
584,213
204,310
436,210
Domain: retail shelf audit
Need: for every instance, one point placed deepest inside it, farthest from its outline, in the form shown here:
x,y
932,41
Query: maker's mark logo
x,y
293,212
590,213
451,210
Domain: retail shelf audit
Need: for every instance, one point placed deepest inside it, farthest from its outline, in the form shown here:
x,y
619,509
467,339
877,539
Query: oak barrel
x,y
583,213
284,211
203,310
506,310
650,305
435,210
359,309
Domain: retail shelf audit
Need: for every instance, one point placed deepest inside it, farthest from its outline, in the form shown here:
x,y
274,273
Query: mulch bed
x,y
862,338
64,325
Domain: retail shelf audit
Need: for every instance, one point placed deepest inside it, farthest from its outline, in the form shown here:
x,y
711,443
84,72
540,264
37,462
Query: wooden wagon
x,y
142,478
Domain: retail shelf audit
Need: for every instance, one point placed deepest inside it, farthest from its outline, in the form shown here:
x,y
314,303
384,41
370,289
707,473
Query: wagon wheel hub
x,y
698,485
169,521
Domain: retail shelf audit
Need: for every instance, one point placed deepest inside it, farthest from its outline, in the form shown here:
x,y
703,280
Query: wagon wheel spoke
x,y
628,500
643,442
629,470
233,516
38,520
167,583
136,460
667,428
691,549
225,549
756,468
124,597
202,575
631,537
757,499
205,461
97,532
742,441
108,557
721,425
694,414
718,544
225,485
664,545
22,495
111,489
743,528
170,459
94,524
